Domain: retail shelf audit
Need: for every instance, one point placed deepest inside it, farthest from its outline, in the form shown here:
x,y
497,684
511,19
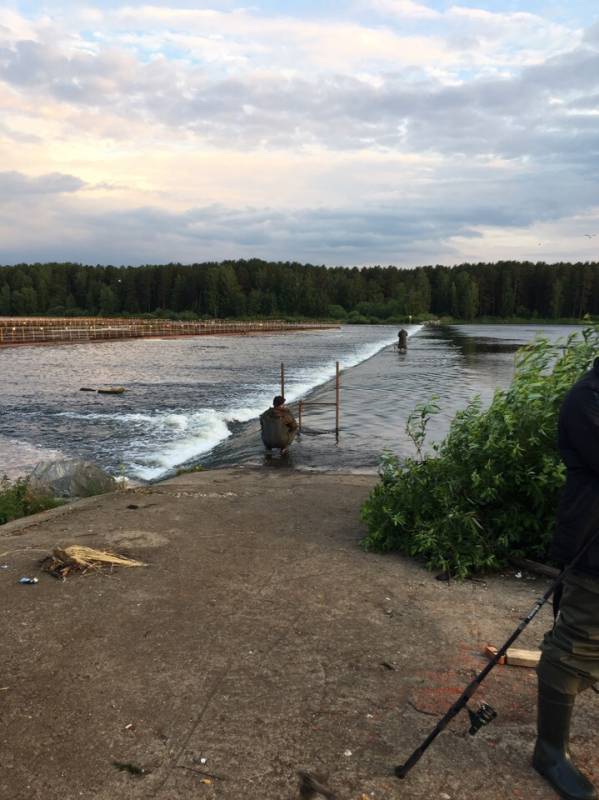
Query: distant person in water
x,y
402,341
278,426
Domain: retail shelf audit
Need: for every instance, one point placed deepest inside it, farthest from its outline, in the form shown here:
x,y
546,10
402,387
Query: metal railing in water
x,y
40,330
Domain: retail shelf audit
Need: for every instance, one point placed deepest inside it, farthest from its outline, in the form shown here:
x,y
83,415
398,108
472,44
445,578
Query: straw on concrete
x,y
82,559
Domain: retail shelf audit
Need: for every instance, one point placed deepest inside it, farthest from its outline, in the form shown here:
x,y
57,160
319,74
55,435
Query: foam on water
x,y
204,430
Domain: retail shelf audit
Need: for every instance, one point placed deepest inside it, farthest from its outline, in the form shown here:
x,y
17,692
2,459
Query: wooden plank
x,y
516,657
523,658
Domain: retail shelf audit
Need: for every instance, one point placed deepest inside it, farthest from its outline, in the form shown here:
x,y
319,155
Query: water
x,y
197,400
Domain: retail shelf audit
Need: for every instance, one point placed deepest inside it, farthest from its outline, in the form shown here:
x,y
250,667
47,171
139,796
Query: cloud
x,y
405,8
403,108
439,218
15,26
20,137
16,185
200,132
503,116
150,235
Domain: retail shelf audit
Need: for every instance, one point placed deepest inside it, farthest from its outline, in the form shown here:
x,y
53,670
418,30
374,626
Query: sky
x,y
346,132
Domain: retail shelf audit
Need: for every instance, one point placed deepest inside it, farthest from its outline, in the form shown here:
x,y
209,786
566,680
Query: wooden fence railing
x,y
40,330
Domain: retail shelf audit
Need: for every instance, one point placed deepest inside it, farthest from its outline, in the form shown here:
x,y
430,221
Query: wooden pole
x,y
282,379
301,408
337,399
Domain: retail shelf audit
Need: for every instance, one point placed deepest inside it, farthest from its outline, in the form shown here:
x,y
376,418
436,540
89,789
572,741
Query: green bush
x,y
188,316
354,318
17,499
336,311
489,490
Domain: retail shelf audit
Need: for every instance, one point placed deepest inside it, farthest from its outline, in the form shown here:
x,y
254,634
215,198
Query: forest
x,y
255,288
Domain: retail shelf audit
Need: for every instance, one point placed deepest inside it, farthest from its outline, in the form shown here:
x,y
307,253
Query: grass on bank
x,y
490,489
18,499
190,470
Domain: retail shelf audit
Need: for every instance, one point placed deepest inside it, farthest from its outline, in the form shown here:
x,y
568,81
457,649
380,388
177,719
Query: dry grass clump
x,y
78,558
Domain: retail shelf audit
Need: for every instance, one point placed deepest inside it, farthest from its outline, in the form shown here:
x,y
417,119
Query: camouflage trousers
x,y
570,652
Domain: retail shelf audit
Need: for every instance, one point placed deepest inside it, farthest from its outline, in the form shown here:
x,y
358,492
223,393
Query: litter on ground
x,y
77,558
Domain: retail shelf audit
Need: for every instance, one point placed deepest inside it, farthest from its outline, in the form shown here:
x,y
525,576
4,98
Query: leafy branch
x,y
490,489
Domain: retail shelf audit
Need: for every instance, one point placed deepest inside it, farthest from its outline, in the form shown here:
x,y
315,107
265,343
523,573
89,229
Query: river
x,y
196,401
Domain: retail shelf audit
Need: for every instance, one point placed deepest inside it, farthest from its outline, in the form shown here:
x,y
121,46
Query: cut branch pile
x,y
77,558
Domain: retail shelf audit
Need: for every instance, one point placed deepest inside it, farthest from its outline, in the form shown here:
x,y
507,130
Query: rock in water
x,y
71,478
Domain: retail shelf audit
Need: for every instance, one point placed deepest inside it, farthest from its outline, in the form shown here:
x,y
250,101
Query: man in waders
x,y
278,426
402,341
570,652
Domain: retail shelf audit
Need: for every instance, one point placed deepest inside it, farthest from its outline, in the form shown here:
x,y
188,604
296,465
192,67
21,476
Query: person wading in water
x,y
402,341
278,426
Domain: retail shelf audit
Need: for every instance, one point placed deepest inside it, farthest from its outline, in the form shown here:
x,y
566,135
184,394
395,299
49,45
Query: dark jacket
x,y
578,510
278,427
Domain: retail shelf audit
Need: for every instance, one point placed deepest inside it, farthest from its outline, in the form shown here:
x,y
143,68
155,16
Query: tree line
x,y
255,288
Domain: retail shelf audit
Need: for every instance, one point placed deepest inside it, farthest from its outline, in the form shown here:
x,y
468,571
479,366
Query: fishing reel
x,y
478,719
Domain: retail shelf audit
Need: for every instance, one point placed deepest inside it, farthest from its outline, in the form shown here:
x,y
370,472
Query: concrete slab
x,y
262,639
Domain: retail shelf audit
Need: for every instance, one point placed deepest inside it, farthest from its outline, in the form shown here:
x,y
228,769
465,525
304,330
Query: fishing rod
x,y
486,714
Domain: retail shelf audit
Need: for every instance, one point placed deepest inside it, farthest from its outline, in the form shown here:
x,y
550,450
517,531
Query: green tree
x,y
507,297
5,304
254,286
180,296
556,298
441,291
30,304
108,301
454,303
466,296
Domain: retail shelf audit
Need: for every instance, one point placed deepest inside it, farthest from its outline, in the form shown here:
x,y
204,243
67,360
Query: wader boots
x,y
551,757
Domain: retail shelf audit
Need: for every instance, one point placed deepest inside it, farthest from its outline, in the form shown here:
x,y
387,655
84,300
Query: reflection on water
x,y
197,400
473,346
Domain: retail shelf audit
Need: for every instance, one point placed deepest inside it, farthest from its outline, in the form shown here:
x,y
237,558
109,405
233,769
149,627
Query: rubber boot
x,y
551,757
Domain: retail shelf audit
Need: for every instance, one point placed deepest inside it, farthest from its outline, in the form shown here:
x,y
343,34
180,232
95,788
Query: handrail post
x,y
337,398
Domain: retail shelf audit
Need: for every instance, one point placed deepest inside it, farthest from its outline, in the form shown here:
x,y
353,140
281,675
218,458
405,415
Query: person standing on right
x,y
570,652
402,341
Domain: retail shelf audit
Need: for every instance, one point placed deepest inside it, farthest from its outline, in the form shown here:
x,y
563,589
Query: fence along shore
x,y
62,330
